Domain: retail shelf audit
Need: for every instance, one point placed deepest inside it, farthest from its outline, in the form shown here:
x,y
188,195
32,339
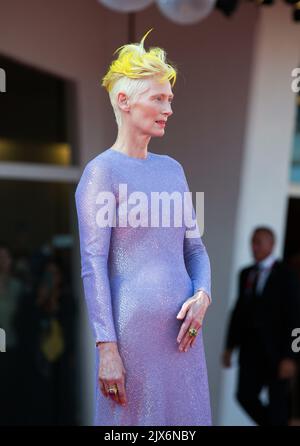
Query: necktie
x,y
254,279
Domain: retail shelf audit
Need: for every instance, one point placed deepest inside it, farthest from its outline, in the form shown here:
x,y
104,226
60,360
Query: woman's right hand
x,y
111,372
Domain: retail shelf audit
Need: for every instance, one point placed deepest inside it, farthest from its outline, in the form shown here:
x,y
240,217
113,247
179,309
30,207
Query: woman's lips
x,y
161,123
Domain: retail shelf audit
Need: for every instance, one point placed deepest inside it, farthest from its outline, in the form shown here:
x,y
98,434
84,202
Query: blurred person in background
x,y
54,349
265,313
294,264
11,294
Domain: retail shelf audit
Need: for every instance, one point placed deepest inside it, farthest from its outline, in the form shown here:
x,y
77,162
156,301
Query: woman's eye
x,y
159,98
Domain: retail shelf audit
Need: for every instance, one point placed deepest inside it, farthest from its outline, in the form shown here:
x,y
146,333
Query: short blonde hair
x,y
134,65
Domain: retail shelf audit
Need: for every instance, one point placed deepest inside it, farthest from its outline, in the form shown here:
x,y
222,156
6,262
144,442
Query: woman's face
x,y
150,109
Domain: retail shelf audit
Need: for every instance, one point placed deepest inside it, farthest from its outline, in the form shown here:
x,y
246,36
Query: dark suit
x,y
260,326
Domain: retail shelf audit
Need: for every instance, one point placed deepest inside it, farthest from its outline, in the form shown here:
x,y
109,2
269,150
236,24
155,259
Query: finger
x,y
186,342
189,321
183,309
116,396
184,328
102,388
181,313
110,395
113,396
193,341
194,338
122,393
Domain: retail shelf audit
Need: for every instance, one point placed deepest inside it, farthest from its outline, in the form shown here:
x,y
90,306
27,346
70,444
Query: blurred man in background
x,y
266,311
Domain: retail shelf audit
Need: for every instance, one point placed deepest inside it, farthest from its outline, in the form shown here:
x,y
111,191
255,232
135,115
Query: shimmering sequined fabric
x,y
135,282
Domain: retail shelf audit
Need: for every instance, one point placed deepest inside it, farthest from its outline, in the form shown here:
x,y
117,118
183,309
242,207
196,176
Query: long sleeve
x,y
195,255
94,249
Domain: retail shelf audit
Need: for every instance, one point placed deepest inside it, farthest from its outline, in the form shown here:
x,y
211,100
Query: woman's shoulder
x,y
96,169
104,162
99,163
103,159
173,162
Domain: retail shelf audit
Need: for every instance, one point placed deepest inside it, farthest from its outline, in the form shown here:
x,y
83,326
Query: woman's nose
x,y
169,111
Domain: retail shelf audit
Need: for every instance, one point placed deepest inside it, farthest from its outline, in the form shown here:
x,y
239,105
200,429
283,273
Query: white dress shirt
x,y
265,267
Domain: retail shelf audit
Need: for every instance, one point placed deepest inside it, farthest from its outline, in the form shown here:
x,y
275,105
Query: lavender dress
x,y
135,282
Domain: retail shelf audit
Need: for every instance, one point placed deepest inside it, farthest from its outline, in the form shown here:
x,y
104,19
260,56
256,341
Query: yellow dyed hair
x,y
132,68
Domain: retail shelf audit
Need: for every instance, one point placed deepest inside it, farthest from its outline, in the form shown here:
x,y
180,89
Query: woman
x,y
139,276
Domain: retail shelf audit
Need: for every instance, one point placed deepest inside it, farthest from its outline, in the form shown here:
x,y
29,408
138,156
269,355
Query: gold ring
x,y
193,331
113,389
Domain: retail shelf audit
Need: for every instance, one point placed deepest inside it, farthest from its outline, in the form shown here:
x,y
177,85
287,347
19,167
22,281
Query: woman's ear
x,y
123,101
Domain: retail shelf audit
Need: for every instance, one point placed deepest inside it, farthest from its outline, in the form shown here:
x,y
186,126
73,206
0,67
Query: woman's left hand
x,y
193,310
